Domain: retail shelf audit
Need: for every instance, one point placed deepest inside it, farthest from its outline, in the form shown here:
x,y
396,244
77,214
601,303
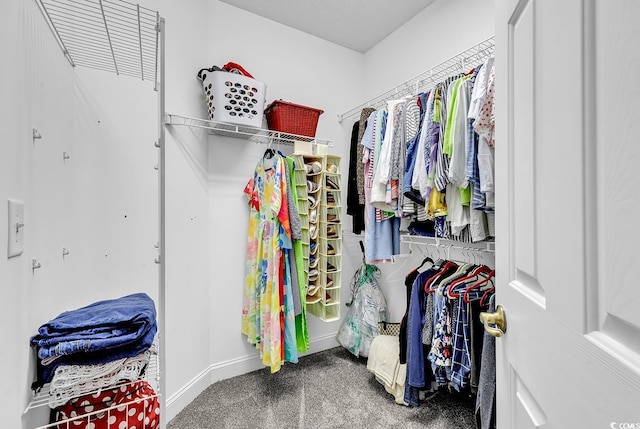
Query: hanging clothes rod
x,y
457,64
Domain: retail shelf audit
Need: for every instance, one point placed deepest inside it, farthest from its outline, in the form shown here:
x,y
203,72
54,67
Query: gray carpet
x,y
330,389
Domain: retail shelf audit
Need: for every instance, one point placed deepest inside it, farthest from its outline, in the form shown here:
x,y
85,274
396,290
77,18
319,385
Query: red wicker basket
x,y
292,118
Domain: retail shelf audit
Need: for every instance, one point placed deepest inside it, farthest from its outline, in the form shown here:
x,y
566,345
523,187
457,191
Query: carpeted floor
x,y
330,389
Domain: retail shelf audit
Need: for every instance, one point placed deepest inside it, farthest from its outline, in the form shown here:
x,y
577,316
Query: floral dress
x,y
264,316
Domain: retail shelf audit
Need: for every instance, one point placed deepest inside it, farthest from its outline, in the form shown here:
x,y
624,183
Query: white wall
x,y
187,326
296,67
434,35
14,132
207,214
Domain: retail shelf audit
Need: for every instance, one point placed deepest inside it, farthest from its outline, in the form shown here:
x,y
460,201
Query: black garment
x,y
408,282
423,228
414,195
354,208
476,331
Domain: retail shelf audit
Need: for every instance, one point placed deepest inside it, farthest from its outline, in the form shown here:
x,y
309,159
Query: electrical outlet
x,y
16,228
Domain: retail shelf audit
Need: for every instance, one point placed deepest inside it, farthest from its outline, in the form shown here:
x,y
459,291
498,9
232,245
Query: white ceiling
x,y
355,24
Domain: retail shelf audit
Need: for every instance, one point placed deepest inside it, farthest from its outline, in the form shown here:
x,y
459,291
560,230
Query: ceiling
x,y
355,24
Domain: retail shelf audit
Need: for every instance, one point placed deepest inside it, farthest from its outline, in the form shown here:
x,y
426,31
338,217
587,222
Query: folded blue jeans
x,y
99,327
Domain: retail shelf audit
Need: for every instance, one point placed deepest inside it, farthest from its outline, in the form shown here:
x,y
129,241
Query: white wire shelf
x,y
257,135
110,35
485,246
459,63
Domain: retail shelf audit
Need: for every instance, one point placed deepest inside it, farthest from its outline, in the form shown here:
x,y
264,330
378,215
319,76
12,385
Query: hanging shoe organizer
x,y
319,197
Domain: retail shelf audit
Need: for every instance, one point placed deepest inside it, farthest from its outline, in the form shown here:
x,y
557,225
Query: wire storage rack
x,y
257,135
458,63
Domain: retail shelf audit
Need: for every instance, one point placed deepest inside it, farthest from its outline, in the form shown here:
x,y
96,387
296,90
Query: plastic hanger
x,y
487,294
472,276
462,271
424,261
416,271
269,153
433,280
476,285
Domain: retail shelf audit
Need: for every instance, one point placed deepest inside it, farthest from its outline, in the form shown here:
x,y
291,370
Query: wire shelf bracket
x,y
456,64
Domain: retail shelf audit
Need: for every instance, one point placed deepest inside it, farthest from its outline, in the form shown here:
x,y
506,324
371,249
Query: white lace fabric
x,y
70,381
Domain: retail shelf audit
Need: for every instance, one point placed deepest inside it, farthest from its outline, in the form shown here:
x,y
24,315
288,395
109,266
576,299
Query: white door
x,y
568,213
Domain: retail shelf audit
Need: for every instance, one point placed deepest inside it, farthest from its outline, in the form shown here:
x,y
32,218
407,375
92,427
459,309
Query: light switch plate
x,y
16,228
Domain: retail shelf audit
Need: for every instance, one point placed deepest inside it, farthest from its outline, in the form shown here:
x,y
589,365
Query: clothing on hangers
x,y
271,320
429,158
440,343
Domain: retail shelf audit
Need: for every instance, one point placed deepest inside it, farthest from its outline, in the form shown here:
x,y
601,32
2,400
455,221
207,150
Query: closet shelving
x,y
486,246
257,135
458,63
126,39
110,35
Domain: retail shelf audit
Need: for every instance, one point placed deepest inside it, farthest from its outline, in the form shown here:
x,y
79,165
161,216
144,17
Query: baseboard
x,y
227,369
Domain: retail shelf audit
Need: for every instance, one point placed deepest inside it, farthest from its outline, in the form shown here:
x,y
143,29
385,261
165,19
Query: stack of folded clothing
x,y
105,345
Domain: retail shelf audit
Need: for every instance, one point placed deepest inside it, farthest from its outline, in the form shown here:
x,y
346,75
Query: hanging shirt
x,y
457,213
459,135
482,111
440,354
480,89
472,170
420,178
382,162
485,122
399,152
381,234
268,232
461,344
416,376
413,142
437,205
441,175
364,117
302,332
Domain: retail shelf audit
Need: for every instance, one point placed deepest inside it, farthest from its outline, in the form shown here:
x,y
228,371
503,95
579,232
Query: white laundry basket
x,y
233,98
